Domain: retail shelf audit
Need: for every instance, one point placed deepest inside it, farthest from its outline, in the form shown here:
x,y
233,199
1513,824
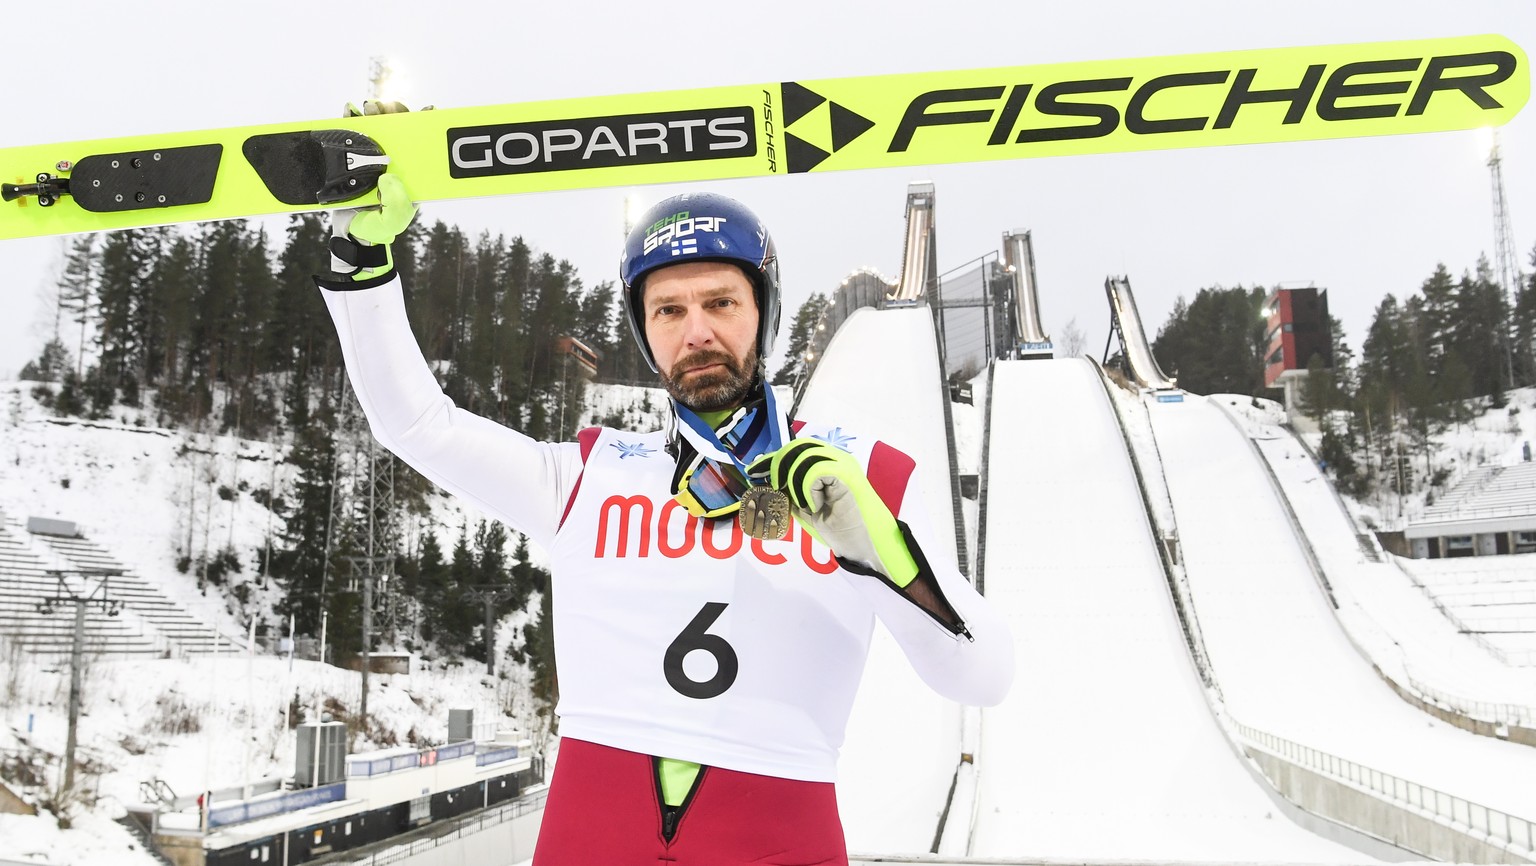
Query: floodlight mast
x,y
1506,263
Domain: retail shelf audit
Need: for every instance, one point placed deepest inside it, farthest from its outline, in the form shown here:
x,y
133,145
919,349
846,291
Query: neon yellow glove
x,y
831,497
360,237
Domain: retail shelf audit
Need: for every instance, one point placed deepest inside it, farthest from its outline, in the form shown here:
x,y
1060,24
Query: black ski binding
x,y
135,180
144,179
47,189
321,166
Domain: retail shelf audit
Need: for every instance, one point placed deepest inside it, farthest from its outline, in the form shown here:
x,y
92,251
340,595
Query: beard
x,y
726,388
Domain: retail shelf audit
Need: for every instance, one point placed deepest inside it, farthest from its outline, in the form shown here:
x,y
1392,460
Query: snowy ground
x,y
151,496
1105,748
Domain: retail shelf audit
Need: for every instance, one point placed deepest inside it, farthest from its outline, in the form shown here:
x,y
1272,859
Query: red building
x,y
1298,329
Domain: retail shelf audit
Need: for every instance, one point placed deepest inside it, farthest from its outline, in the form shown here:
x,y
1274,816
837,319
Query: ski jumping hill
x,y
1106,749
880,376
1284,662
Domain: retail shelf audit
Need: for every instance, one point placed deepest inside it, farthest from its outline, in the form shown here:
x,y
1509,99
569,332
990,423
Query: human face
x,y
701,323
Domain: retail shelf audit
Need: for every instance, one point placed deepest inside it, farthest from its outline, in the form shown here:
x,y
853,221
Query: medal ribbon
x,y
772,431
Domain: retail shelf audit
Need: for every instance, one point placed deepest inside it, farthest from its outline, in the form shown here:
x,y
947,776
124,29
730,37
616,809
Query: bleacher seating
x,y
1488,491
152,622
1492,598
25,582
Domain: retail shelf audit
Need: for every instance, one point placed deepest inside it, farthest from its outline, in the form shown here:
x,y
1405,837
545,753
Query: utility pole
x,y
490,594
97,597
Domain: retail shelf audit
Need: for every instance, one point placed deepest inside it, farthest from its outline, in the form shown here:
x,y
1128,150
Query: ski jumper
x,y
675,636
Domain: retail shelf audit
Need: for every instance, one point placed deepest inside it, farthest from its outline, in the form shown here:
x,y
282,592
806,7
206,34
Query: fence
x,y
468,827
1500,828
969,314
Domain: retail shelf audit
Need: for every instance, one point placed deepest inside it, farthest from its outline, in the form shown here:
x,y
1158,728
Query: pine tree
x,y
797,362
1215,344
595,319
1438,322
459,617
77,285
433,582
300,560
1481,332
299,337
51,364
625,365
434,300
124,309
540,647
511,343
1523,327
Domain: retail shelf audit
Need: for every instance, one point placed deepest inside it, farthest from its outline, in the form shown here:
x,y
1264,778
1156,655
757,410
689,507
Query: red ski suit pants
x,y
604,809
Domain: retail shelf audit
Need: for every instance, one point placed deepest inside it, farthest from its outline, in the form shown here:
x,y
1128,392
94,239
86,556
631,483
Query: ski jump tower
x,y
1019,259
1125,322
919,258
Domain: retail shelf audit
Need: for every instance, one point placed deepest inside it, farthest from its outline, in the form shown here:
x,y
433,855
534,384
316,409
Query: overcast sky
x,y
1359,217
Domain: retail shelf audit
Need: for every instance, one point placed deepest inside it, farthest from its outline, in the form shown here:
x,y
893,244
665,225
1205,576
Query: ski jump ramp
x,y
1284,662
880,376
1133,337
1106,749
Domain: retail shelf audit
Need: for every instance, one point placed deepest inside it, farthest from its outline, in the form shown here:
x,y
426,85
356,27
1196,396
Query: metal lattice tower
x,y
363,513
1506,263
1506,266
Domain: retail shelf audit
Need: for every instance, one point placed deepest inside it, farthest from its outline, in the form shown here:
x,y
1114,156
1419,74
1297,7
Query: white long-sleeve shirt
x,y
674,635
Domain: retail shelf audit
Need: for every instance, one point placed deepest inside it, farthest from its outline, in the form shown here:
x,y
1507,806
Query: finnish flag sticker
x,y
685,246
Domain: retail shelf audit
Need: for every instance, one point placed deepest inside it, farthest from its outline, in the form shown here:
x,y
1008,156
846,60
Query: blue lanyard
x,y
774,433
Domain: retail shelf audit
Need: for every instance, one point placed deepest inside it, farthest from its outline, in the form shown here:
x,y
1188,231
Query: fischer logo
x,y
678,229
1209,99
773,154
602,142
632,525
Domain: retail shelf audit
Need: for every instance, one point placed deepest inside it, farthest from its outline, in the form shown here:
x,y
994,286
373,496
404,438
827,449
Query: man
x,y
708,650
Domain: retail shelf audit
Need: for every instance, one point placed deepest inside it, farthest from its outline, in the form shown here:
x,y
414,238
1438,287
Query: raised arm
x,y
505,474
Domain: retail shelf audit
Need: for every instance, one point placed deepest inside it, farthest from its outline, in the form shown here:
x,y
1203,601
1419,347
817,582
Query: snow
x,y
201,723
1285,663
1384,609
1107,748
903,742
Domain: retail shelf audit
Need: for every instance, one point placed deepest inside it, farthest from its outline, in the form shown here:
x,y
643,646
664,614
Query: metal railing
x,y
1500,713
1499,828
1165,537
467,827
984,485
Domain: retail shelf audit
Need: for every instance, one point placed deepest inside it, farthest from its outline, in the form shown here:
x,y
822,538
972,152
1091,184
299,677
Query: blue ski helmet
x,y
700,227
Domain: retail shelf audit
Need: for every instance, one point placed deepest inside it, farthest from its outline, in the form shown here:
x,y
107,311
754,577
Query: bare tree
x,y
1072,339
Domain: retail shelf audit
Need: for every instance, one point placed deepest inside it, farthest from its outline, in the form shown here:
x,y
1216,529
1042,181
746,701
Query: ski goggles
x,y
708,488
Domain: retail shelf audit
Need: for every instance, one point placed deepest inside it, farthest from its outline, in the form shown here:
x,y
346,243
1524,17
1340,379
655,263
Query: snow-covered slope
x,y
1284,662
1106,749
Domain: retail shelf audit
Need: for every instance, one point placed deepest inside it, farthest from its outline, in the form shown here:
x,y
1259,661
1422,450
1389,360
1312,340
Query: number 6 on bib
x,y
697,637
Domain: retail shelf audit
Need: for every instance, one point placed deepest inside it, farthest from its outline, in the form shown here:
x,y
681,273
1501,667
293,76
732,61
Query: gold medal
x,y
764,513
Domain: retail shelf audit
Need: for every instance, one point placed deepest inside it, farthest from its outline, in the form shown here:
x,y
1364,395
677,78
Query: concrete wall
x,y
182,850
1395,543
11,804
1481,727
1397,824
